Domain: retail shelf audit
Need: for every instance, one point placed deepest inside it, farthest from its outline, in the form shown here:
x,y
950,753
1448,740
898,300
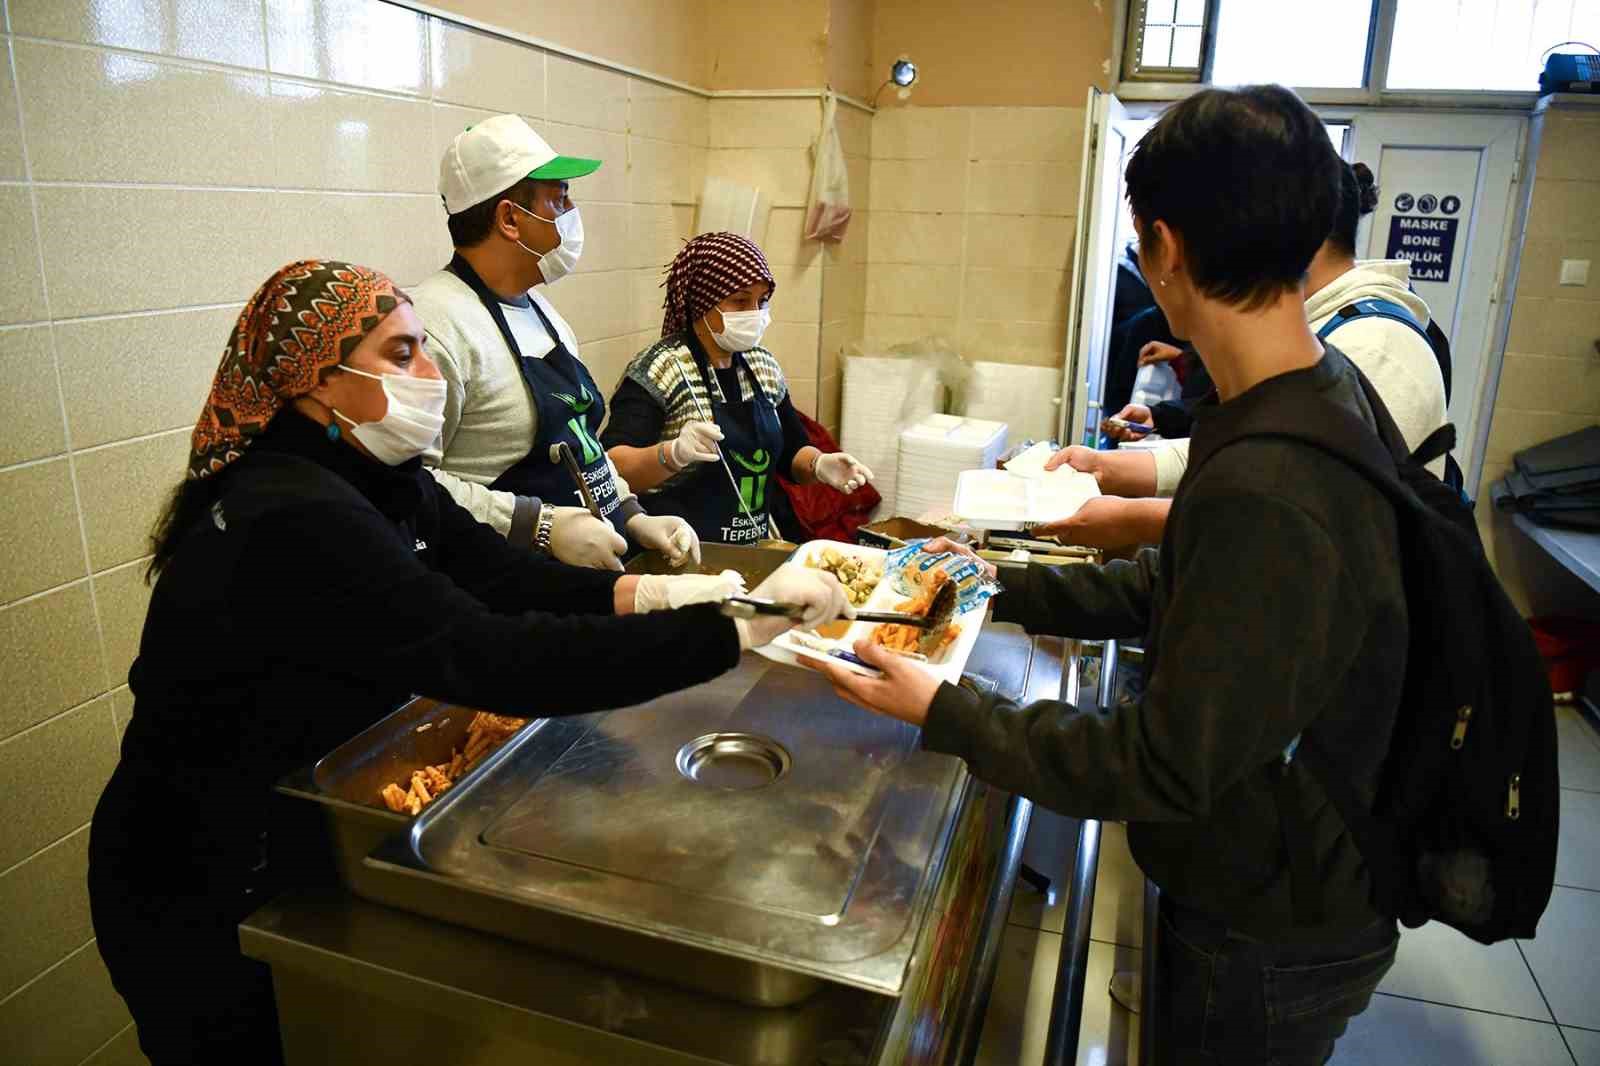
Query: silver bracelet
x,y
661,457
541,533
815,459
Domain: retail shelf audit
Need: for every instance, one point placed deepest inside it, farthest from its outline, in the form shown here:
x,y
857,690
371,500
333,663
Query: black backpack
x,y
1465,825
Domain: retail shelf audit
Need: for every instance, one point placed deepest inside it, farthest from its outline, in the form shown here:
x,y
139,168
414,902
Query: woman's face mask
x,y
412,422
561,260
741,330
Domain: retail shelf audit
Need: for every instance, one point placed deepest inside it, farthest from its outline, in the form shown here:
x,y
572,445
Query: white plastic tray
x,y
999,499
791,647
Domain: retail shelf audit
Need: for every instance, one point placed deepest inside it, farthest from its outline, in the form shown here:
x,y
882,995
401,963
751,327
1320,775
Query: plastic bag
x,y
909,566
828,215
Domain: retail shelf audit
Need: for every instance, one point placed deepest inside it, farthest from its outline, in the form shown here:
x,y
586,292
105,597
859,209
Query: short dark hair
x,y
1249,179
472,226
1358,196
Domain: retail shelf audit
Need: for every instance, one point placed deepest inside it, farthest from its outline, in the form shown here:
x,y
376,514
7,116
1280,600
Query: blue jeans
x,y
1226,998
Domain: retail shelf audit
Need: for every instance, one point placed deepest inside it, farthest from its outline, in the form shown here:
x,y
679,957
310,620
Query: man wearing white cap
x,y
517,388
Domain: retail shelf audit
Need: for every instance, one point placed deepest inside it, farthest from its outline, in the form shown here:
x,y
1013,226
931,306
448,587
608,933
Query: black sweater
x,y
1274,606
323,590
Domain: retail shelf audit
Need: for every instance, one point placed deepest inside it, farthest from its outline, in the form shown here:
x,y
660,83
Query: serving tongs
x,y
938,616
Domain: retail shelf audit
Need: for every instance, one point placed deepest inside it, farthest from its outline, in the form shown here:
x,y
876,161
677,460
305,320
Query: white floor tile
x,y
1018,1021
1565,956
1585,1045
1578,855
1393,1031
1580,750
1438,964
1118,892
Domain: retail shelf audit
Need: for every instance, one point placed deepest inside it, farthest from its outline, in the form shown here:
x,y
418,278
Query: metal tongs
x,y
938,616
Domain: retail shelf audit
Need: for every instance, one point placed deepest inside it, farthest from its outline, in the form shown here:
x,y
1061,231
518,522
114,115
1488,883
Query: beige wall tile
x,y
798,297
763,123
1540,271
404,236
884,330
1570,148
795,345
49,658
785,240
803,394
667,114
655,234
121,1051
123,488
46,904
29,406
1542,383
447,122
1008,341
181,229
917,186
584,95
1513,430
943,133
1023,189
220,31
21,287
39,526
855,131
597,305
122,598
54,804
326,139
1569,209
126,377
31,1022
858,174
828,397
660,172
610,182
648,294
10,131
122,708
1027,241
782,174
1020,295
919,238
605,237
836,337
844,291
607,360
913,290
105,116
857,239
355,42
1555,327
1028,134
481,70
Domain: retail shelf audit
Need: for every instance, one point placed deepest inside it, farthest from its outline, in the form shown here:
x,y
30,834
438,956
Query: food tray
x,y
999,499
791,648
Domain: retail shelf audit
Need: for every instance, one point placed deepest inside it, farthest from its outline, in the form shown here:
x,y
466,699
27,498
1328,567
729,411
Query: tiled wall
x,y
157,161
972,228
1550,382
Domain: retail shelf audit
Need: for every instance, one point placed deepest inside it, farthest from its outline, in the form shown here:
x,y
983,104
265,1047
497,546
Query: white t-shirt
x,y
533,340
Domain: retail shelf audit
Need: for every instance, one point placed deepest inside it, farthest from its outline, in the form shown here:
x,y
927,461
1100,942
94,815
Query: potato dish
x,y
486,733
858,576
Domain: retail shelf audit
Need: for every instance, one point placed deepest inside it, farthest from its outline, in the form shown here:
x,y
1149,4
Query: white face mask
x,y
561,260
412,422
741,330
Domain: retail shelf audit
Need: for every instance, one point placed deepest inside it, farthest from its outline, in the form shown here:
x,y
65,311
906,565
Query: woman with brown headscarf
x,y
707,395
311,577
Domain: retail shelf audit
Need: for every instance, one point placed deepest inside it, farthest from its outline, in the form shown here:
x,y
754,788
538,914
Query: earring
x,y
1163,283
333,431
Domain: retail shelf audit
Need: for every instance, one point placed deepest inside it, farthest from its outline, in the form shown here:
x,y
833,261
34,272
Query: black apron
x,y
570,408
752,438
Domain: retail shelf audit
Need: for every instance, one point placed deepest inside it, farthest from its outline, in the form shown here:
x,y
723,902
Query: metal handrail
x,y
1149,964
1072,971
969,1022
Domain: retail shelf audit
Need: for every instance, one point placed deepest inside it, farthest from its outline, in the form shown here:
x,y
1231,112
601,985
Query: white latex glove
x,y
696,443
578,538
664,592
667,534
842,471
818,591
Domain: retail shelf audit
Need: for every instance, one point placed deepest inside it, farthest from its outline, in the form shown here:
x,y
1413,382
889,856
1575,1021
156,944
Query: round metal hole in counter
x,y
733,761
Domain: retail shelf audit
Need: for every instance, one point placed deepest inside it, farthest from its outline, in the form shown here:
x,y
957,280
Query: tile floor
x,y
1448,1001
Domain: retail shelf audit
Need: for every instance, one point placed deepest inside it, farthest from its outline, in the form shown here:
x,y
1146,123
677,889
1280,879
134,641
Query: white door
x,y
1445,183
1094,267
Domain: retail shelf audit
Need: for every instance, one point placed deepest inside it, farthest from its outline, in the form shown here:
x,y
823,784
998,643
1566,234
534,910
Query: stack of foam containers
x,y
1026,398
881,397
934,452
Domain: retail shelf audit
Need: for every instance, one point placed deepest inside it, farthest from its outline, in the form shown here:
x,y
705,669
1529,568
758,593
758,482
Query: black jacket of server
x,y
320,592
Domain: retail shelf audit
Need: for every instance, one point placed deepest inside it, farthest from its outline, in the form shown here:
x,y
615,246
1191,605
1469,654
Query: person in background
x,y
1275,610
309,578
1397,359
708,391
516,386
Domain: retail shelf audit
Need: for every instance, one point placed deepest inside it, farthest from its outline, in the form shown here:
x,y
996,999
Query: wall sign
x,y
1430,244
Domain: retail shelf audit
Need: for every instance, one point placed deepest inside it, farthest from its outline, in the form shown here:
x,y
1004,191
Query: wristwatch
x,y
541,532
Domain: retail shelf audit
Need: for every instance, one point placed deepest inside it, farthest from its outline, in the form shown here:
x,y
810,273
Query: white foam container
x,y
999,499
935,451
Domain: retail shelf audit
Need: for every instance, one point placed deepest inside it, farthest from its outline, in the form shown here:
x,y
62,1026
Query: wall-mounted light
x,y
902,75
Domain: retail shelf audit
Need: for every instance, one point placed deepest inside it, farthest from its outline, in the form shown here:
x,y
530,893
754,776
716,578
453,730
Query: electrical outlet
x,y
1574,272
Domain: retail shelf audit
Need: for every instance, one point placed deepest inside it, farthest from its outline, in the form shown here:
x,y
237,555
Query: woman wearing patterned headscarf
x,y
310,578
707,392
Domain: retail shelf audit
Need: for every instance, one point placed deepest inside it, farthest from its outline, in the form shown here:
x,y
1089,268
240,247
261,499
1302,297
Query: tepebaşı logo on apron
x,y
579,424
753,489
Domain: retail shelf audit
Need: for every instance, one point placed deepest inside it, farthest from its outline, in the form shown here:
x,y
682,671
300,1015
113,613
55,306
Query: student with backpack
x,y
1303,594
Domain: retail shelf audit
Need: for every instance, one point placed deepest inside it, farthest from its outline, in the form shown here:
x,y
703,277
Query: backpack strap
x,y
1372,307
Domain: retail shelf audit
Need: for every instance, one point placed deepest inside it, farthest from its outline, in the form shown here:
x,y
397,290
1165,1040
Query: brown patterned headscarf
x,y
298,326
708,269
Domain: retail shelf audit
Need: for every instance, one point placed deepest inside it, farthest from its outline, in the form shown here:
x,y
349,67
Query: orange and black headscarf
x,y
298,326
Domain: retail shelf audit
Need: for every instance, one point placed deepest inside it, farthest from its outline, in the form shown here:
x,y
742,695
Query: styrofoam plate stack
x,y
881,397
935,451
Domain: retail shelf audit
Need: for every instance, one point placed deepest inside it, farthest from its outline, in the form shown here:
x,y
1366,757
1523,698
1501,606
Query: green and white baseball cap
x,y
489,157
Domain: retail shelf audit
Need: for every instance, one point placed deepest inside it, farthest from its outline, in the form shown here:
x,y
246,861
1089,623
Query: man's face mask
x,y
561,260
